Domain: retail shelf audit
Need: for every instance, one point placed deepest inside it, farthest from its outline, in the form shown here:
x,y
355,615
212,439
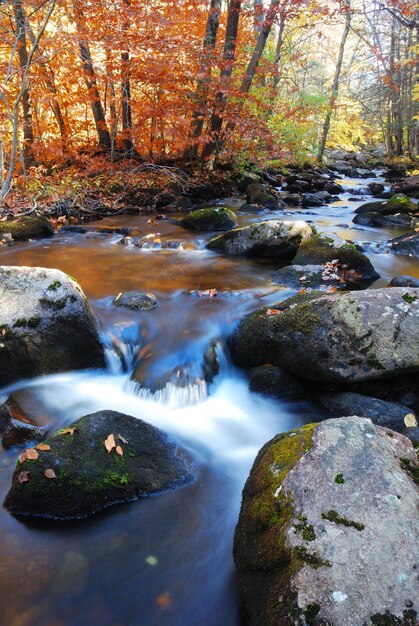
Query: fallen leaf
x,y
273,312
331,289
119,451
49,473
43,447
164,600
22,457
121,438
31,454
110,443
23,477
67,431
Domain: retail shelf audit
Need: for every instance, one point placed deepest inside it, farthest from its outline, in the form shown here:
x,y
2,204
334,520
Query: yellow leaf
x,y
22,457
119,451
67,431
110,443
121,438
43,447
31,454
49,473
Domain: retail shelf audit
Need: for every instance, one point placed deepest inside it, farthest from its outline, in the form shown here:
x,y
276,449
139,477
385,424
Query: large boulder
x,y
340,337
46,325
408,186
103,459
327,532
407,244
212,218
396,204
274,238
25,228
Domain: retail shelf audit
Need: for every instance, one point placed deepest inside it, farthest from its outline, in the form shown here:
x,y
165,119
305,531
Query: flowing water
x,y
165,560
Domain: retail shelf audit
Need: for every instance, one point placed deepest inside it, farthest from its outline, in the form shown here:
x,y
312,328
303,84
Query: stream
x,y
164,560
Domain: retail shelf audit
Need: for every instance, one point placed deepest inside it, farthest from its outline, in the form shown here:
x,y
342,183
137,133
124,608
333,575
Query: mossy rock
x,y
305,277
398,203
274,382
244,179
322,249
26,228
136,300
88,478
317,498
212,218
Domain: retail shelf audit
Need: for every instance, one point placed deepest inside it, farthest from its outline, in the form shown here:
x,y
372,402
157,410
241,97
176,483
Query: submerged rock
x,y
46,325
25,228
77,476
16,427
274,238
326,508
212,218
137,300
341,337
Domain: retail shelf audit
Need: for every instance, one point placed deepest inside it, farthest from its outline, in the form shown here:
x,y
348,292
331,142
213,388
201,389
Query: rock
x,y
73,228
46,325
273,382
310,199
343,167
341,337
412,434
396,204
137,300
212,218
408,186
274,238
386,195
15,426
252,208
258,194
407,244
244,179
333,188
375,188
304,277
395,173
292,199
387,414
353,266
336,155
88,479
25,228
377,220
325,508
404,281
323,195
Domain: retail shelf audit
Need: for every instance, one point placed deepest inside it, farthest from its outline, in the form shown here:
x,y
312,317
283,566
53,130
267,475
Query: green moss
x,y
375,363
388,619
54,286
310,613
319,250
27,228
212,218
306,530
402,203
407,297
340,479
310,558
20,323
411,469
333,516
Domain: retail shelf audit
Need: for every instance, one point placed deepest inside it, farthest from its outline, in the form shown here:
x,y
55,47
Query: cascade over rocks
x,y
341,337
46,325
88,478
327,532
273,238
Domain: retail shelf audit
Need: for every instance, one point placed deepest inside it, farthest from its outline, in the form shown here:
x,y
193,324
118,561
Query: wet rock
x,y
292,199
387,414
377,220
73,228
88,478
274,238
273,382
343,167
46,325
259,194
25,228
310,199
16,427
304,277
341,337
407,244
333,188
404,281
212,218
243,180
412,434
137,300
396,204
375,188
395,173
409,186
325,507
323,195
252,208
353,266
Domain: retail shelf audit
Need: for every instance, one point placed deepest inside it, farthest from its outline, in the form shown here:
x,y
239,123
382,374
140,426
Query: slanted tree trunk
x,y
127,144
90,78
22,51
201,94
335,86
216,121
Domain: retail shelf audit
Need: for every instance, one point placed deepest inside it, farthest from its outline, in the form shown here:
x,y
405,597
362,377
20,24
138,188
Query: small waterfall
x,y
122,344
173,396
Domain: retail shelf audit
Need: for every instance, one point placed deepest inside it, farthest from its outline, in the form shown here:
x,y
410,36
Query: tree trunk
x,y
258,16
216,121
201,94
335,86
90,78
22,51
127,144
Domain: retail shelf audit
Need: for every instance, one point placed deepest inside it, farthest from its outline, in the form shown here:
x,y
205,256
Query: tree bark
x,y
28,134
104,137
201,94
336,79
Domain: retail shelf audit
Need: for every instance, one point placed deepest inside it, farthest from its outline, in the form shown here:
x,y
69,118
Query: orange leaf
x,y
23,477
43,447
119,451
110,443
273,312
31,454
49,473
67,431
22,457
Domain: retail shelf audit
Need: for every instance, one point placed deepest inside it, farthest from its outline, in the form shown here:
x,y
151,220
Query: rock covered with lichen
x,y
102,459
273,239
46,324
335,337
26,227
327,532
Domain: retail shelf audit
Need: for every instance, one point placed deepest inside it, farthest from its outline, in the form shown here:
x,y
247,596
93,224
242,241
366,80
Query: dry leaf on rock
x,y
31,454
23,477
121,438
43,446
67,431
49,473
119,451
110,443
